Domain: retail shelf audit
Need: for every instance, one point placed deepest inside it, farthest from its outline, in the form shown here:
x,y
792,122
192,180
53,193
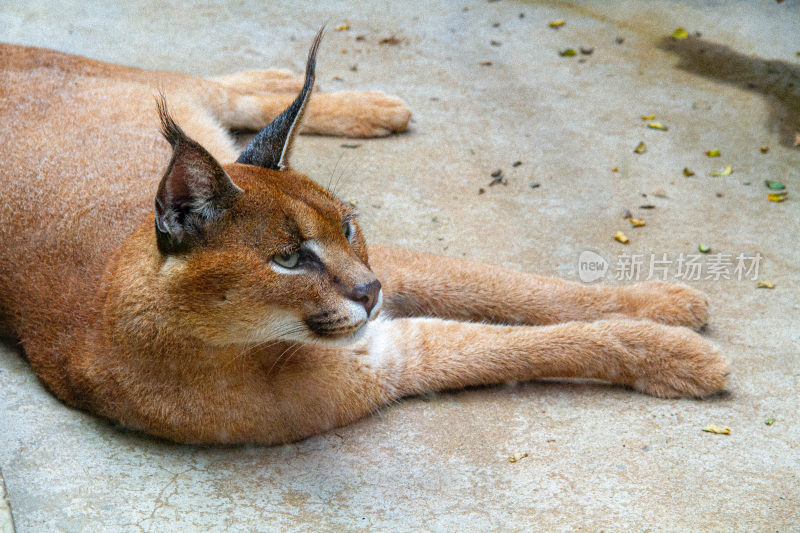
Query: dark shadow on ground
x,y
778,81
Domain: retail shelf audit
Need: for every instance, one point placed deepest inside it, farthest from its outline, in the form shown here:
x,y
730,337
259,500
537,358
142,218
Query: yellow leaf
x,y
636,222
688,172
713,153
680,34
657,126
648,117
765,284
557,23
713,428
640,148
569,52
727,171
343,27
614,169
776,196
621,237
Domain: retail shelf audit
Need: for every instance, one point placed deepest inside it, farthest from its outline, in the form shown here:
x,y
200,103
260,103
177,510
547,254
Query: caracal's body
x,y
243,308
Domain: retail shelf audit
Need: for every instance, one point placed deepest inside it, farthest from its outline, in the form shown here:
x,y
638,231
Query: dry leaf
x,y
557,23
727,171
777,196
713,428
765,284
648,117
621,237
764,149
636,222
485,63
614,169
516,457
680,34
640,148
688,172
657,126
713,153
343,27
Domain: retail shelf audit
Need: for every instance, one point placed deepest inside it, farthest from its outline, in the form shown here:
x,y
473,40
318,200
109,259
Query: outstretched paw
x,y
667,303
356,114
678,362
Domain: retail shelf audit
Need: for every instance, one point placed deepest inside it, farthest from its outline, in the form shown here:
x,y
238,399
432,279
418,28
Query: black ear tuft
x,y
193,193
169,129
271,147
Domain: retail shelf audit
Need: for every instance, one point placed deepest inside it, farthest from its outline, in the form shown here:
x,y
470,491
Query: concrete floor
x,y
599,457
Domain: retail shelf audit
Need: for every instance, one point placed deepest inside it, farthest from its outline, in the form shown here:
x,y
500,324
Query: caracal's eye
x,y
287,260
347,228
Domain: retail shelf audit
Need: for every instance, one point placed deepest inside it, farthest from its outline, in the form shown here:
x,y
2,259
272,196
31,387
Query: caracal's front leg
x,y
320,387
424,354
417,284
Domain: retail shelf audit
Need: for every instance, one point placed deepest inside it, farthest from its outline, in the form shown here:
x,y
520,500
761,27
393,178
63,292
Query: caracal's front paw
x,y
673,362
667,303
356,114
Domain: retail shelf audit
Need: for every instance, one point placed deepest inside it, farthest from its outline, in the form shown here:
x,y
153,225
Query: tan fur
x,y
213,344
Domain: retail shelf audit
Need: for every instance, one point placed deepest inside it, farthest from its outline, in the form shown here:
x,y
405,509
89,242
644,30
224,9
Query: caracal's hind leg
x,y
417,284
253,98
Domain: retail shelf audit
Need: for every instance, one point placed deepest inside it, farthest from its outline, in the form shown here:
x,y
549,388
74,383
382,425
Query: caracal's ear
x,y
271,147
194,191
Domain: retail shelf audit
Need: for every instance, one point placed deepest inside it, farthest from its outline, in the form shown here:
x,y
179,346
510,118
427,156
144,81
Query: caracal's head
x,y
253,252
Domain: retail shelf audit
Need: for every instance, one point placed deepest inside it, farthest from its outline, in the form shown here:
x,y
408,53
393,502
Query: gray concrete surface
x,y
600,458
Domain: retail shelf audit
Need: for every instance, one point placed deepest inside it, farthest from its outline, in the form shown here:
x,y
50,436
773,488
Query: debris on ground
x,y
621,237
567,52
687,172
534,185
774,185
557,23
626,213
647,206
713,153
515,164
636,222
727,171
485,63
640,148
516,457
587,51
614,169
660,193
647,117
343,27
765,284
713,428
764,149
350,145
777,196
703,248
495,43
391,41
657,126
680,34
769,421
498,178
